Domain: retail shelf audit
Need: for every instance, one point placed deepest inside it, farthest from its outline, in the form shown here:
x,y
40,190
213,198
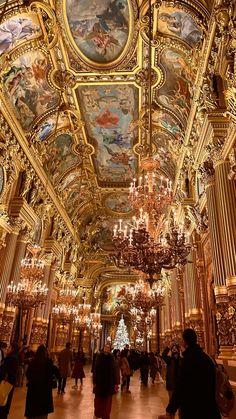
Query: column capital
x,y
215,149
207,172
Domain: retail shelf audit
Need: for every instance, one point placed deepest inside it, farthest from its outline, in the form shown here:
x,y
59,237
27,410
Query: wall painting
x,y
113,298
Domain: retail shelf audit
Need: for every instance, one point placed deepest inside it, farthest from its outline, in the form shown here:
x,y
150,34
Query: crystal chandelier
x,y
83,318
141,297
137,249
65,313
149,192
30,291
95,325
67,293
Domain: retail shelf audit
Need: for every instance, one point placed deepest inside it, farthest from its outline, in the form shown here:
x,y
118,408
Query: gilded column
x,y
8,314
19,255
226,202
220,289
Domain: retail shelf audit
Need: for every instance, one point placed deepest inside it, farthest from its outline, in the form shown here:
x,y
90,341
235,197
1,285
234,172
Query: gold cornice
x,y
20,208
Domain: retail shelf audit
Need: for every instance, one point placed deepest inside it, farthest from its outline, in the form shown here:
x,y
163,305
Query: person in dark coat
x,y
8,371
105,383
173,361
40,374
78,369
195,395
65,360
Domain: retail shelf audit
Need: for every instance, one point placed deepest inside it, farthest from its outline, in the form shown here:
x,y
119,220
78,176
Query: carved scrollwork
x,y
224,324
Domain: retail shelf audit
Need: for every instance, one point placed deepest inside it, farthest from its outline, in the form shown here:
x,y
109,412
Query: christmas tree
x,y
122,337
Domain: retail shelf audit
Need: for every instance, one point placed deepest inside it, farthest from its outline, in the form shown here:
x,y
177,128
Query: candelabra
x,y
30,291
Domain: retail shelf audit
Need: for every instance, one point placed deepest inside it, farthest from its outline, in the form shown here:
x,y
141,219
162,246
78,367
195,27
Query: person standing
x,y
40,373
8,371
105,383
195,394
65,363
78,369
173,360
125,370
153,366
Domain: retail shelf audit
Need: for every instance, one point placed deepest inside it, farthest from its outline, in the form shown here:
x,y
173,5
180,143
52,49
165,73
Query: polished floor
x,y
142,402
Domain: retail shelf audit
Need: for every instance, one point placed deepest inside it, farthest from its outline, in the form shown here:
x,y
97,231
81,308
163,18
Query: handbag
x,y
5,388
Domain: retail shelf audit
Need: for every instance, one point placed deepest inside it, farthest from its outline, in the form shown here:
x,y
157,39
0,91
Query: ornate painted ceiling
x,y
74,78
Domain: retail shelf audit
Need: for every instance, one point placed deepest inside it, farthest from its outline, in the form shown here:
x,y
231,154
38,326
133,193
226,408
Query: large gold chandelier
x,y
137,249
30,291
141,297
66,311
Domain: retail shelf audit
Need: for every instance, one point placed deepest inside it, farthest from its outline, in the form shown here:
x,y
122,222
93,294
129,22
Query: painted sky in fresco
x,y
27,87
100,28
118,202
47,127
110,113
174,21
17,30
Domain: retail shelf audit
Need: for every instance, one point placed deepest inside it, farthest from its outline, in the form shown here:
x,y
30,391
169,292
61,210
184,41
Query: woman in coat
x,y
105,383
78,370
40,375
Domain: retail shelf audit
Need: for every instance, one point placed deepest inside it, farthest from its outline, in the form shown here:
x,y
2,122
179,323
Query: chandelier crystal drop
x,y
30,291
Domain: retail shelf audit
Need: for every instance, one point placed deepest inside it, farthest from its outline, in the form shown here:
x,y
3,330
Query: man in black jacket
x,y
195,395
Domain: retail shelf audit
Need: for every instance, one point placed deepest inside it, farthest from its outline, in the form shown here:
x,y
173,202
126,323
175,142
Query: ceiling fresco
x,y
176,93
59,157
118,203
47,128
97,51
111,113
17,30
175,22
100,29
27,87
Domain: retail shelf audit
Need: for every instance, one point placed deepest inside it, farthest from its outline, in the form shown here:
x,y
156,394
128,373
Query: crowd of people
x,y
189,377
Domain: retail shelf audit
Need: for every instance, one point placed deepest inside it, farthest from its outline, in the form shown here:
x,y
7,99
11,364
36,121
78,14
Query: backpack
x,y
225,397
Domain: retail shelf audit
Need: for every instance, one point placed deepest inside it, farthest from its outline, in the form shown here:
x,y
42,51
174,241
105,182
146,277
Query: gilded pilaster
x,y
220,290
19,255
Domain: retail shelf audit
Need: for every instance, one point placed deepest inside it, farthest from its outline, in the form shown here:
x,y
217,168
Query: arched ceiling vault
x,y
73,87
